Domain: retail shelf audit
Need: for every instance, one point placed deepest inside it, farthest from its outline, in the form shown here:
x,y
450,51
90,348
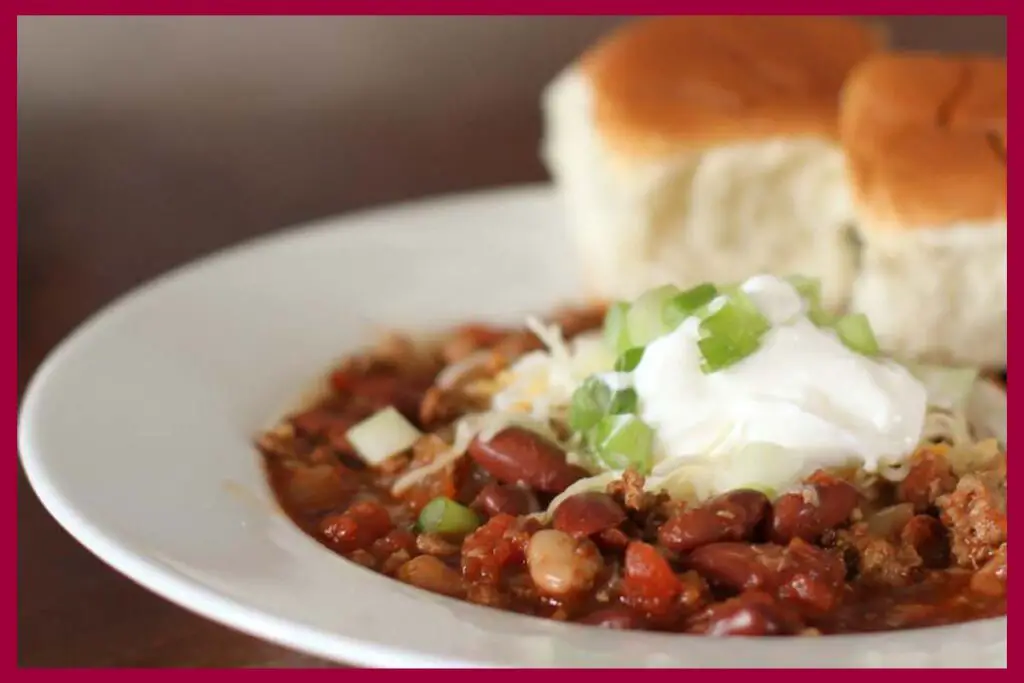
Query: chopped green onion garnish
x,y
628,361
753,319
731,333
624,402
624,442
854,330
589,404
445,516
616,333
820,317
644,320
682,306
810,289
807,287
720,352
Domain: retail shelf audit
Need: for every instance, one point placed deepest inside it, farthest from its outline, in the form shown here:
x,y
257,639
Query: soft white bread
x,y
706,148
925,139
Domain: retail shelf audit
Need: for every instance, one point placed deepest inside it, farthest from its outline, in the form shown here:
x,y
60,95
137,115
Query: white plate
x,y
136,434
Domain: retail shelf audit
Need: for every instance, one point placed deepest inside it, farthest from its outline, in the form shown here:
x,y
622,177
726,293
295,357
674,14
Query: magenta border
x,y
509,7
389,7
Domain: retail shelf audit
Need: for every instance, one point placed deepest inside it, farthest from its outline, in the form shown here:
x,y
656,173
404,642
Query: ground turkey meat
x,y
975,513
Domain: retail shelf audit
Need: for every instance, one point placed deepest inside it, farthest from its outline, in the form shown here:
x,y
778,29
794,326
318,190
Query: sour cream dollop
x,y
803,390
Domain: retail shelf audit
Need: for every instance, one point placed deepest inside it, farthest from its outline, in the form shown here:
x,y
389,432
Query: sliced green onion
x,y
445,516
731,333
589,404
682,306
616,333
807,287
720,353
855,332
628,361
644,320
820,317
810,289
382,435
624,442
623,402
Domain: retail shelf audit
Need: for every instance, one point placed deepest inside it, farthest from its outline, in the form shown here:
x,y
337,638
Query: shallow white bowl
x,y
136,434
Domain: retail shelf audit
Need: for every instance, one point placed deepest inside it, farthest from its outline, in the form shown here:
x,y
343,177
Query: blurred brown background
x,y
147,141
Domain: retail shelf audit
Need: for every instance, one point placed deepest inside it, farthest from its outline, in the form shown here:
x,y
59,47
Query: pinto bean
x,y
733,516
588,513
561,565
754,613
819,506
495,499
429,573
618,618
517,455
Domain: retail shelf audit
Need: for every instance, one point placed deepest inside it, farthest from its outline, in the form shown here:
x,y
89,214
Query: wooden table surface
x,y
111,196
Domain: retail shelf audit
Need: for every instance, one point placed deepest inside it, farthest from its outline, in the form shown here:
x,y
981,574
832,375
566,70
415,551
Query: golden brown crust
x,y
925,139
666,83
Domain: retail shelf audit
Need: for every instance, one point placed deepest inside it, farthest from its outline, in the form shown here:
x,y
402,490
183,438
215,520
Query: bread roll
x,y
925,141
706,148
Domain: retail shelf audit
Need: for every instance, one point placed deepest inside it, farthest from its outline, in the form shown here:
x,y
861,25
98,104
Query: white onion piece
x,y
382,435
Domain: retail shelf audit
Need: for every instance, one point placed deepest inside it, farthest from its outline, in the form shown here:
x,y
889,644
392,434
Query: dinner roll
x,y
689,149
925,140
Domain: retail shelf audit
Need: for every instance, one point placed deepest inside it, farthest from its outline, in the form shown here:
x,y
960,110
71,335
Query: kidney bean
x,y
736,566
733,516
588,513
929,538
429,573
356,528
618,618
753,613
799,572
819,506
812,577
561,565
516,455
495,499
929,477
614,540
